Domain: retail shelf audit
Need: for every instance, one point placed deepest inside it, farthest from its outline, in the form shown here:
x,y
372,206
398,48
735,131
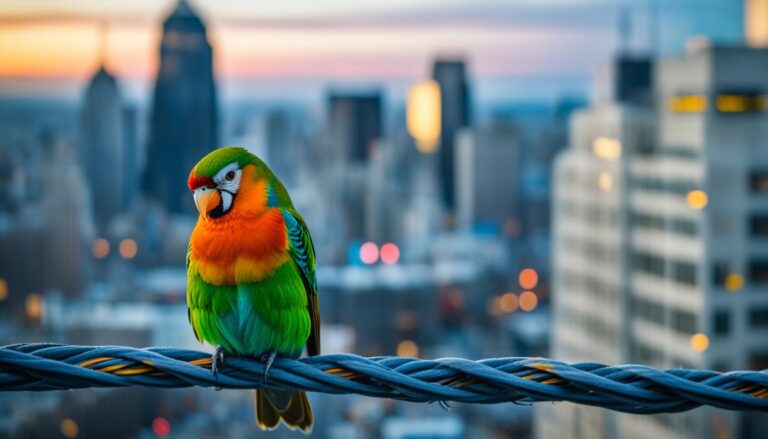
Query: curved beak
x,y
206,199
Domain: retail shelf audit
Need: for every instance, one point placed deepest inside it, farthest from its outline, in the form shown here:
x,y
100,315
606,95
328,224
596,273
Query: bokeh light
x,y
100,248
509,302
161,427
390,253
423,118
407,348
607,148
128,248
369,253
528,301
697,199
699,342
528,278
494,307
734,282
3,289
69,428
605,181
34,306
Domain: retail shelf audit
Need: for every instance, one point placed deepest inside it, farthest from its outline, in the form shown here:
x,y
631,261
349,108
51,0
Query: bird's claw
x,y
217,360
268,358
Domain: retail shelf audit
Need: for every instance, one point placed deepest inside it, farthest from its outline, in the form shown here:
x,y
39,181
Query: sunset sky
x,y
272,48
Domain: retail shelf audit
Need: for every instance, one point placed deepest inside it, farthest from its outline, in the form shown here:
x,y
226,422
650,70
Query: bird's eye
x,y
230,175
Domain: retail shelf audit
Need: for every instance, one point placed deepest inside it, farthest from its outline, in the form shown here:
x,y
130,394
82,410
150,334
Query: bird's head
x,y
222,177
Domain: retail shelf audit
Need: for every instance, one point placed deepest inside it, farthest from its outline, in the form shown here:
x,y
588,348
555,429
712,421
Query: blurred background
x,y
580,179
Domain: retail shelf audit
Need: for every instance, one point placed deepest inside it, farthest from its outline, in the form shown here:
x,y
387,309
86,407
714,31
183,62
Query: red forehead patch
x,y
196,182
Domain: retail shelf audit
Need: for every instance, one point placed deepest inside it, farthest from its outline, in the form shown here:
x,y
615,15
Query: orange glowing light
x,y
528,278
509,302
3,289
34,306
407,348
100,248
688,104
69,428
128,248
423,115
699,342
756,22
606,148
528,301
697,199
734,282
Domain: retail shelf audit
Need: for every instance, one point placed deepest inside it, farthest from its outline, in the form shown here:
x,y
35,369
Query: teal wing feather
x,y
302,252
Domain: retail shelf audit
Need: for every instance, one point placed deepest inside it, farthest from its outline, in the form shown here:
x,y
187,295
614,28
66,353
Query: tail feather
x,y
295,412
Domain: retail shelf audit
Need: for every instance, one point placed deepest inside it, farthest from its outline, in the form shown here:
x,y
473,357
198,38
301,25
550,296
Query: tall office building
x,y
487,176
455,108
660,245
101,150
183,124
354,124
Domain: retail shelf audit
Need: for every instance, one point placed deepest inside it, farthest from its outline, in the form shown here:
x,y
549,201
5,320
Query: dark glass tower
x,y
101,147
183,125
451,75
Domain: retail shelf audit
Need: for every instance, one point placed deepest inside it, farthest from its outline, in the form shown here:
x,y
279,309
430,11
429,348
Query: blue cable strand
x,y
628,388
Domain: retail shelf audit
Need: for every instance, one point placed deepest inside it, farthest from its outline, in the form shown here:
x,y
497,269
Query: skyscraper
x,y
101,146
354,123
487,176
451,76
660,240
183,125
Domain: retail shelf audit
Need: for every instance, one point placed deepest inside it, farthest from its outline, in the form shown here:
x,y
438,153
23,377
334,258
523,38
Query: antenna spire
x,y
103,35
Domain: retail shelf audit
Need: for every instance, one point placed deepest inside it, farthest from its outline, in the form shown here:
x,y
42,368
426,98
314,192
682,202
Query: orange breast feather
x,y
245,245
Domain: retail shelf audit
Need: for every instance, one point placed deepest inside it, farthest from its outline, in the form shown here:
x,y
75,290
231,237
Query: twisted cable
x,y
627,388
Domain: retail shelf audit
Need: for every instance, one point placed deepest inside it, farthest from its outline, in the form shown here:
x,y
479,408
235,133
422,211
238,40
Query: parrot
x,y
251,286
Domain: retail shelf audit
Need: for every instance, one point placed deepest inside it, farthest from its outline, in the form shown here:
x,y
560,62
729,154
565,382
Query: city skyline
x,y
523,50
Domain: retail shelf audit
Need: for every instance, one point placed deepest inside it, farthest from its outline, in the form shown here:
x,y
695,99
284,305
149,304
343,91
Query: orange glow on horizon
x,y
30,51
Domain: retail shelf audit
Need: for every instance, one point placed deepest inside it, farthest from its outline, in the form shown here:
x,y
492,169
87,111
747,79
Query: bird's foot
x,y
268,358
217,360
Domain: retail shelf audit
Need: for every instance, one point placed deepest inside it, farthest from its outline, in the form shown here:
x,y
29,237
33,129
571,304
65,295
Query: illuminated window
x,y
740,102
688,104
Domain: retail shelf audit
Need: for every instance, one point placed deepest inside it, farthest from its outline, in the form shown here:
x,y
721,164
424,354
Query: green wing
x,y
302,253
189,309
